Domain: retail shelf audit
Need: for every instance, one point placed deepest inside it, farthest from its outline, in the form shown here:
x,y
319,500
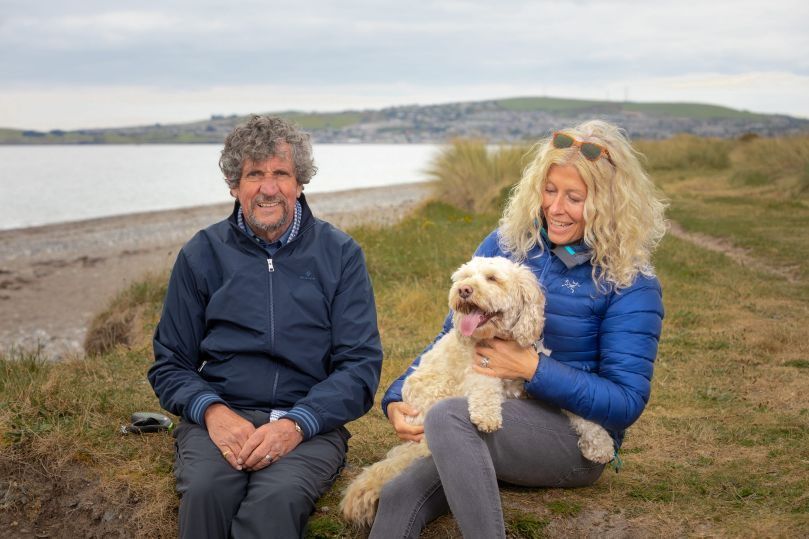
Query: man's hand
x,y
228,430
398,412
269,443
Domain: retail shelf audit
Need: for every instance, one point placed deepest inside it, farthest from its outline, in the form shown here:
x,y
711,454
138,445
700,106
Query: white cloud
x,y
391,52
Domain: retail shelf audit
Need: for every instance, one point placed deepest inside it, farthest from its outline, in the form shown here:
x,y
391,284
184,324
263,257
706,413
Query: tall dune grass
x,y
685,152
473,177
470,176
764,160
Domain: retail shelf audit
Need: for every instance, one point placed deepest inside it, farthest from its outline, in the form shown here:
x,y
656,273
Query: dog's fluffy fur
x,y
490,297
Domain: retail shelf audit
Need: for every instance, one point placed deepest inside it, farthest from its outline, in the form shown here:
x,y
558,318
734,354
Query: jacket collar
x,y
572,255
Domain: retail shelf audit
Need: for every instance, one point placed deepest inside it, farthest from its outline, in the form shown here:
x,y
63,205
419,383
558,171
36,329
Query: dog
x,y
489,298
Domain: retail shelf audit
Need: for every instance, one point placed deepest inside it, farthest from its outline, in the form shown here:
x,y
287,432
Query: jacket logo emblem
x,y
571,285
307,276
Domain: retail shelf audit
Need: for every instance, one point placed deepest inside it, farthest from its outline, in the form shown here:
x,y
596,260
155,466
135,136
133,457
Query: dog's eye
x,y
491,278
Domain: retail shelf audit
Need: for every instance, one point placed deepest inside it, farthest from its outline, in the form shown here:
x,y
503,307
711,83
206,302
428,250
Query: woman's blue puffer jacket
x,y
603,345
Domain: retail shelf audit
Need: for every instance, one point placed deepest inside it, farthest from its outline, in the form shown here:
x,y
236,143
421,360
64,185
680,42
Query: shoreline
x,y
55,278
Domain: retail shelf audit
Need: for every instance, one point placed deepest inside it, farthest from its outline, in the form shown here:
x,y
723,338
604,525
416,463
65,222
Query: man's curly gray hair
x,y
258,140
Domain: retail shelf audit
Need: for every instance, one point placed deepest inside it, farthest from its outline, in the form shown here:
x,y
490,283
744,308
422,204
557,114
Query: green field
x,y
679,110
722,449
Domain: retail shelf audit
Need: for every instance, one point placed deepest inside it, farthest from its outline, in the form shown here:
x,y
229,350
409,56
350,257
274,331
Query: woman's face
x,y
563,204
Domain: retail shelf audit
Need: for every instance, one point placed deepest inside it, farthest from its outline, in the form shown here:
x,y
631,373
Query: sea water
x,y
53,184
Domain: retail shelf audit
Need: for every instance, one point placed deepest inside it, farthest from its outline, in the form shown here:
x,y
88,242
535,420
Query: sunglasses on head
x,y
590,150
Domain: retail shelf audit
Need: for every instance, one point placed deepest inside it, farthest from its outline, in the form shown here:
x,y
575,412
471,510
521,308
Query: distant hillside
x,y
504,120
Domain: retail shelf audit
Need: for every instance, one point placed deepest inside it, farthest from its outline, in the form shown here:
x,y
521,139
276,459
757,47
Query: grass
x,y
683,110
323,120
722,449
471,176
686,152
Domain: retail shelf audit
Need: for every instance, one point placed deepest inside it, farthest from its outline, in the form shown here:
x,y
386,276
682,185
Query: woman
x,y
585,218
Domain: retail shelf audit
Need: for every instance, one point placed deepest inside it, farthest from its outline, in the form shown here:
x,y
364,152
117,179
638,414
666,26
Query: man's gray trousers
x,y
218,501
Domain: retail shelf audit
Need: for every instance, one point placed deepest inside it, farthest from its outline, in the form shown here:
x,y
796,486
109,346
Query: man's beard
x,y
268,227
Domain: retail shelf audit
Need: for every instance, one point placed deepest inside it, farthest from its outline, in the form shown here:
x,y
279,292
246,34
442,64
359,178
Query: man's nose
x,y
269,186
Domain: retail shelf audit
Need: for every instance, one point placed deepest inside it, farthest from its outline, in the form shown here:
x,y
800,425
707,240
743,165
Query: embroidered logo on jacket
x,y
307,276
571,285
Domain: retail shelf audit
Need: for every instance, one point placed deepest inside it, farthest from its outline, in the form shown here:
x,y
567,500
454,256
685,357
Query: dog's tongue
x,y
470,322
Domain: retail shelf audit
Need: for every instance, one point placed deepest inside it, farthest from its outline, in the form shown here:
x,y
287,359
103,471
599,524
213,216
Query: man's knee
x,y
289,498
208,489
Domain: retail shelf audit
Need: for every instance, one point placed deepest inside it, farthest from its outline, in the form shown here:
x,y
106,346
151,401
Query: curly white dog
x,y
490,297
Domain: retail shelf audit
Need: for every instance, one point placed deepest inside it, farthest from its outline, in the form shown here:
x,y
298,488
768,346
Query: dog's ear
x,y
528,328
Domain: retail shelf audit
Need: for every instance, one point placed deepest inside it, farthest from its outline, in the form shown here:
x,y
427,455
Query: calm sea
x,y
53,184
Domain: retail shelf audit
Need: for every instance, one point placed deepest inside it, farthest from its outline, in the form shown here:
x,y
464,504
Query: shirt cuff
x,y
306,420
196,411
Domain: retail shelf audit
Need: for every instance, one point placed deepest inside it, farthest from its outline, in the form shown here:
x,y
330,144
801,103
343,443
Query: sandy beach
x,y
55,278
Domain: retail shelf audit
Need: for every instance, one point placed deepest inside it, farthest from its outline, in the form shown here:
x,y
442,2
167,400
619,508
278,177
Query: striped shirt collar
x,y
285,238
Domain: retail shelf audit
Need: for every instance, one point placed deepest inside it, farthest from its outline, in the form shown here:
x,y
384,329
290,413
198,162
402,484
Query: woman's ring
x,y
484,362
226,453
269,457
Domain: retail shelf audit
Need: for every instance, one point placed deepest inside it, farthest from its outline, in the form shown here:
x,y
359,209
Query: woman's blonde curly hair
x,y
623,212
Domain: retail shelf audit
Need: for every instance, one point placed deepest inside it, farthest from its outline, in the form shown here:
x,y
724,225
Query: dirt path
x,y
737,254
54,279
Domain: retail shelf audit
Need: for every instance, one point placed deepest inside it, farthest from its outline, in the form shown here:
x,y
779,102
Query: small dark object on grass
x,y
145,422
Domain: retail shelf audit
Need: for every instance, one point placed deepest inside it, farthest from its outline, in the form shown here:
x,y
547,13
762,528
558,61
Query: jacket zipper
x,y
271,270
202,366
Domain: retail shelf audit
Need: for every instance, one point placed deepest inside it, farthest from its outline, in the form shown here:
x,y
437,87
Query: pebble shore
x,y
55,278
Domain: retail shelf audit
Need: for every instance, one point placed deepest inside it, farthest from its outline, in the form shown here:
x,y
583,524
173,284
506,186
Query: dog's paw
x,y
486,423
597,446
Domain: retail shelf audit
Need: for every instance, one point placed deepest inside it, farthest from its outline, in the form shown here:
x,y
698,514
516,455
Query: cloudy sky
x,y
95,63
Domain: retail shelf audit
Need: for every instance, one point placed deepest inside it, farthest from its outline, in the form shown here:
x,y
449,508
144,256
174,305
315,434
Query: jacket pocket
x,y
208,364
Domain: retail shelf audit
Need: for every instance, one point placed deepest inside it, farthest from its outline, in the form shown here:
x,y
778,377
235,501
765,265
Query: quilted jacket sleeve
x,y
616,392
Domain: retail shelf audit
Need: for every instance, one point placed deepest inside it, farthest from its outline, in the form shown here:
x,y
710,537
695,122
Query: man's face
x,y
267,192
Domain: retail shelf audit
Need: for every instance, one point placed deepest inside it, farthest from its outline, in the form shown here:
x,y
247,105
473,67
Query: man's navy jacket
x,y
296,332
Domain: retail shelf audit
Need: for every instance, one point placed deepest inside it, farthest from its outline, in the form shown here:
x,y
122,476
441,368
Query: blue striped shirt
x,y
285,238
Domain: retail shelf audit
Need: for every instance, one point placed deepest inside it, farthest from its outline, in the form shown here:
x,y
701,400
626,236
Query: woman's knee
x,y
445,417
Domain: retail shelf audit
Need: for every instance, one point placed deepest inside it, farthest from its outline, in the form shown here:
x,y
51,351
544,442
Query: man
x,y
267,345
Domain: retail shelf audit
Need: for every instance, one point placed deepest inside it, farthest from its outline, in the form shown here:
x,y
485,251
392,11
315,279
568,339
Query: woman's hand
x,y
505,359
398,412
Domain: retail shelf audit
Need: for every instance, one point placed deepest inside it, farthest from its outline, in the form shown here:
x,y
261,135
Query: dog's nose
x,y
465,291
